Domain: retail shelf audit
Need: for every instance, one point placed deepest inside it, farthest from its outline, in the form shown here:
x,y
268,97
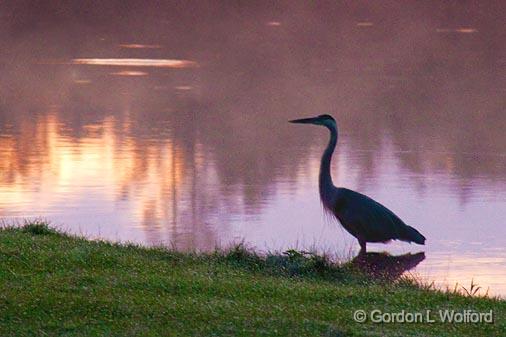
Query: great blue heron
x,y
361,216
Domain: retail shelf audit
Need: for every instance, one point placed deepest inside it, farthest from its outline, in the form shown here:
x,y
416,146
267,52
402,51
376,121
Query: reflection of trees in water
x,y
448,115
154,176
437,98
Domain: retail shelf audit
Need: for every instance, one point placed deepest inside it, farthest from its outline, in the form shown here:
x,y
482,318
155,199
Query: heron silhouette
x,y
363,217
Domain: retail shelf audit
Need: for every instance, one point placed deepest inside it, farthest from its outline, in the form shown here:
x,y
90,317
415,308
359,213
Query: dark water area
x,y
188,144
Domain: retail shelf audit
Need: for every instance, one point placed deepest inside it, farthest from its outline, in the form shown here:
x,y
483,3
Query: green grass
x,y
53,284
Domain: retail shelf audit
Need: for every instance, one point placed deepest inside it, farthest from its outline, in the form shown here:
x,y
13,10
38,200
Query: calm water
x,y
169,126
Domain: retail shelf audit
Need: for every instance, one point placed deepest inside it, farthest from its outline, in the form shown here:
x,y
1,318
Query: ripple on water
x,y
132,62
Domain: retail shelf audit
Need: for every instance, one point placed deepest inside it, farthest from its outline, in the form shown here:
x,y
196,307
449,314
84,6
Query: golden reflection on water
x,y
140,46
82,81
70,168
132,62
130,73
457,30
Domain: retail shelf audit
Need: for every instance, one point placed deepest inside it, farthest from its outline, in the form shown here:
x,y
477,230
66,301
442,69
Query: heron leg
x,y
363,248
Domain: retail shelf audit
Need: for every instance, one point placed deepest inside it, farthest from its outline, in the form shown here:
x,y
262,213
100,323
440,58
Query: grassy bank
x,y
53,284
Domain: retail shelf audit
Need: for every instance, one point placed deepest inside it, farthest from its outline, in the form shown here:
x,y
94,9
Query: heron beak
x,y
311,120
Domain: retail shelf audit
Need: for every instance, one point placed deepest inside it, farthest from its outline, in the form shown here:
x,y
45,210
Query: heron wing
x,y
366,218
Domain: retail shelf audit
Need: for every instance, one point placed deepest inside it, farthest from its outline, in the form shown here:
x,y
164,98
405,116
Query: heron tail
x,y
410,234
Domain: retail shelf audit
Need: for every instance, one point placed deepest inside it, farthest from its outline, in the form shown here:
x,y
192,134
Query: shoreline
x,y
59,284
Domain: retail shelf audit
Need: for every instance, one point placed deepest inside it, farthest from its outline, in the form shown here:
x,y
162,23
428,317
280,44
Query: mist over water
x,y
194,150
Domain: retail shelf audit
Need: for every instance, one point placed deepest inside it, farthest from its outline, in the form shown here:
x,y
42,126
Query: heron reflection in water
x,y
385,266
363,217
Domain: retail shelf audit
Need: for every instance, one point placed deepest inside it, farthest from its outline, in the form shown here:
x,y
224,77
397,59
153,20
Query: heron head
x,y
325,120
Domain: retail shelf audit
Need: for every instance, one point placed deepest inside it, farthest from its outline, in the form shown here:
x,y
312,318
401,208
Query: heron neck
x,y
325,180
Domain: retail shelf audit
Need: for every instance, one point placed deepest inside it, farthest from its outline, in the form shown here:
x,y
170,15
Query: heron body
x,y
363,217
